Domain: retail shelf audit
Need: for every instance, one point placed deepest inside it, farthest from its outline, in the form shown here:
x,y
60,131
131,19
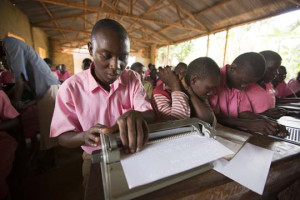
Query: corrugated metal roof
x,y
151,21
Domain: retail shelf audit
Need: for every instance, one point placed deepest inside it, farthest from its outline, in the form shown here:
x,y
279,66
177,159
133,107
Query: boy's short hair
x,y
86,60
251,63
136,65
271,55
48,61
201,67
109,24
180,66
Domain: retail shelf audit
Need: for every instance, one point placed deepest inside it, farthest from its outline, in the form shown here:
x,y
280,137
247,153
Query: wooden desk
x,y
285,170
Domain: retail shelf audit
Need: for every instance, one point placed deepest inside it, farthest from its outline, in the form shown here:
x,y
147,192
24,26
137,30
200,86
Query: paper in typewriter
x,y
169,157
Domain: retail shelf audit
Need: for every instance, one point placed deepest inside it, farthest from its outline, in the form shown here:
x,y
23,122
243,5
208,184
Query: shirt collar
x,y
93,84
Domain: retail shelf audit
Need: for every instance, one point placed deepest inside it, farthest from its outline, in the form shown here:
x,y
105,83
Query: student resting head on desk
x,y
229,101
262,94
168,98
202,77
104,95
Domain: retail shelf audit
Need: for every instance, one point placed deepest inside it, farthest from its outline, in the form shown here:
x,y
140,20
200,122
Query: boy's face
x,y
110,53
205,87
271,70
238,79
140,71
281,75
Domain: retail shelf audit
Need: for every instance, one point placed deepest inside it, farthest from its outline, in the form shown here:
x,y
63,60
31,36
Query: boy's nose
x,y
114,64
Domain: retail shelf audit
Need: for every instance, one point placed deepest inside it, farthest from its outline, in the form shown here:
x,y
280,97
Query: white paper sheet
x,y
289,121
250,167
166,158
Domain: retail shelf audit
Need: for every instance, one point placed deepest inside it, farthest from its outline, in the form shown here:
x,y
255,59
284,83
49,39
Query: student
x,y
262,94
202,78
8,145
50,63
169,100
151,74
294,85
31,70
104,95
281,88
63,73
229,102
138,67
86,63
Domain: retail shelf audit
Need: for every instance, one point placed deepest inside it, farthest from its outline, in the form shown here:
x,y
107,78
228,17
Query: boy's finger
x,y
145,132
140,135
131,134
123,134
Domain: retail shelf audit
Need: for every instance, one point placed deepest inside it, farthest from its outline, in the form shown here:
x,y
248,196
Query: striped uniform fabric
x,y
171,107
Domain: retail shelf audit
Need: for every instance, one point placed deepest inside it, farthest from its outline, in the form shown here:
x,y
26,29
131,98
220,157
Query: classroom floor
x,y
62,182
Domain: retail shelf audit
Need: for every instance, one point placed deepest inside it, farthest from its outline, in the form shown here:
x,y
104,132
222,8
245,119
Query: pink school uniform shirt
x,y
63,77
8,144
261,99
294,85
82,102
228,101
7,111
282,90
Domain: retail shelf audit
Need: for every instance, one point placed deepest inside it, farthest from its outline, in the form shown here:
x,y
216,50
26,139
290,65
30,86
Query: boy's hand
x,y
133,131
275,113
92,136
264,126
169,78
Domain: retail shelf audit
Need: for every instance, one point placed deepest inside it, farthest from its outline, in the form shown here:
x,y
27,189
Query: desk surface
x,y
285,170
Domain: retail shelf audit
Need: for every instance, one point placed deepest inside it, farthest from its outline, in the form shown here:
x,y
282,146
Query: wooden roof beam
x,y
120,13
64,29
51,16
218,4
187,12
62,18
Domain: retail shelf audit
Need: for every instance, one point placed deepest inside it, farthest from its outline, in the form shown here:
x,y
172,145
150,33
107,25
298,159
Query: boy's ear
x,y
233,67
193,79
90,47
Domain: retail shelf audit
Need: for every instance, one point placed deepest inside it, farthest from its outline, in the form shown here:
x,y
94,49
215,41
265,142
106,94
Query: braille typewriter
x,y
114,182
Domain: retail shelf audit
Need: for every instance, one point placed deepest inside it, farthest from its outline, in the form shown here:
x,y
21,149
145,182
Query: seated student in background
x,y
169,99
31,70
138,67
262,94
281,88
86,63
8,145
294,85
229,101
50,63
104,95
202,77
151,74
63,73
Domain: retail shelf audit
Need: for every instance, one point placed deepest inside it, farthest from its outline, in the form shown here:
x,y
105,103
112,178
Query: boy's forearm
x,y
71,139
202,110
233,122
7,124
287,100
249,115
18,90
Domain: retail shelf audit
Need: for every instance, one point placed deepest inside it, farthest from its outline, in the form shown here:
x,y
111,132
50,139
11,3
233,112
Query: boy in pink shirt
x,y
230,103
104,95
8,145
294,85
62,73
262,94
